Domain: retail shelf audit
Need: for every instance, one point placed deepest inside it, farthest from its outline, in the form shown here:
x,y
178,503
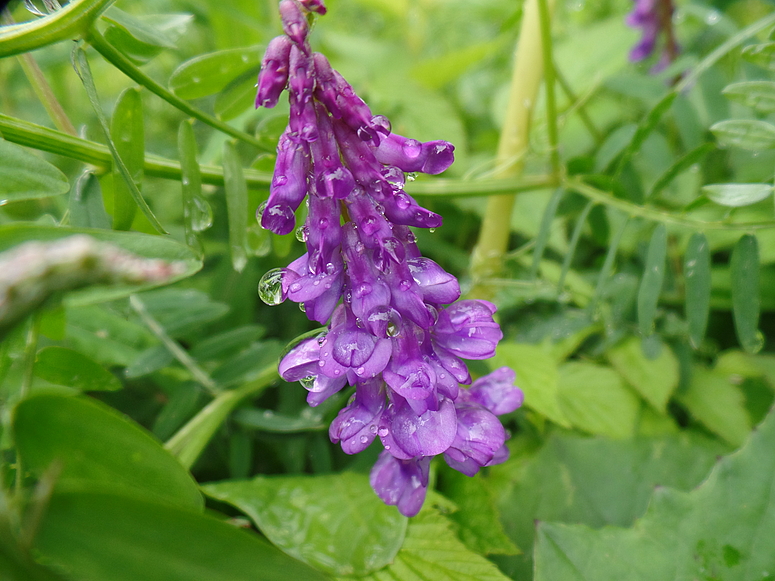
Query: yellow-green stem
x,y
525,82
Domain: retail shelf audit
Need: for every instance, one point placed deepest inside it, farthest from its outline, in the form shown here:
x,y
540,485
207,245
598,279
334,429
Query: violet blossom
x,y
654,18
396,329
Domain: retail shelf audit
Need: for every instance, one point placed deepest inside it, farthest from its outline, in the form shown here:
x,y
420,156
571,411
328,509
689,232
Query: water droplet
x,y
268,413
302,308
364,439
302,233
307,382
383,432
270,287
412,148
392,329
411,176
360,370
261,209
713,17
373,429
337,372
405,284
200,214
330,268
381,124
196,80
431,230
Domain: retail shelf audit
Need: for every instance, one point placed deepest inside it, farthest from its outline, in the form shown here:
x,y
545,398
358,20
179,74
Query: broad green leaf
x,y
744,267
721,530
543,233
238,96
335,523
226,343
595,399
209,74
26,176
143,245
135,38
150,360
95,444
270,421
236,204
751,134
680,165
593,481
81,66
128,132
651,283
182,311
736,195
718,404
63,366
698,287
747,365
645,127
759,95
191,183
244,366
761,54
655,380
432,551
477,519
87,209
536,376
100,536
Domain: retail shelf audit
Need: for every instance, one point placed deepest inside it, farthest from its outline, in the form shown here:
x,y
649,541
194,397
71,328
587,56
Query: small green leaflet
x,y
751,134
744,267
26,176
651,283
736,195
698,287
758,95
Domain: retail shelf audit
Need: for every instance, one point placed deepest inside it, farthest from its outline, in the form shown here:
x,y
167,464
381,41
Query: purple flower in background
x,y
396,330
654,17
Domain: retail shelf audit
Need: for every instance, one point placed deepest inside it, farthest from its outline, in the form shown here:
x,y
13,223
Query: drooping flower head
x,y
396,330
654,18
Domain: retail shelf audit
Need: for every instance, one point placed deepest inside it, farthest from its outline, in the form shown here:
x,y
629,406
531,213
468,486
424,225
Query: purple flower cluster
x,y
653,17
399,333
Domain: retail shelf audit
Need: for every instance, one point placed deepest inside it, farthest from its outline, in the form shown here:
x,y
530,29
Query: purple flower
x,y
403,483
653,17
389,333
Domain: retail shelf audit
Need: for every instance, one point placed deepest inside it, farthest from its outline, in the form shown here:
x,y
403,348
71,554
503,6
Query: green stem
x,y
69,23
118,60
189,442
199,374
496,226
549,82
577,103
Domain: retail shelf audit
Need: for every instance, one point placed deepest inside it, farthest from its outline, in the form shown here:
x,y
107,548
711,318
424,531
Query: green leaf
x,y
99,536
718,404
134,37
721,530
87,209
335,523
209,74
645,127
679,166
150,360
226,343
182,311
614,145
191,182
655,379
63,366
751,134
758,95
143,245
736,195
476,517
96,444
536,376
128,133
238,96
761,54
81,65
244,366
593,481
236,204
543,233
651,283
436,72
26,176
698,286
744,267
594,399
270,421
431,551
